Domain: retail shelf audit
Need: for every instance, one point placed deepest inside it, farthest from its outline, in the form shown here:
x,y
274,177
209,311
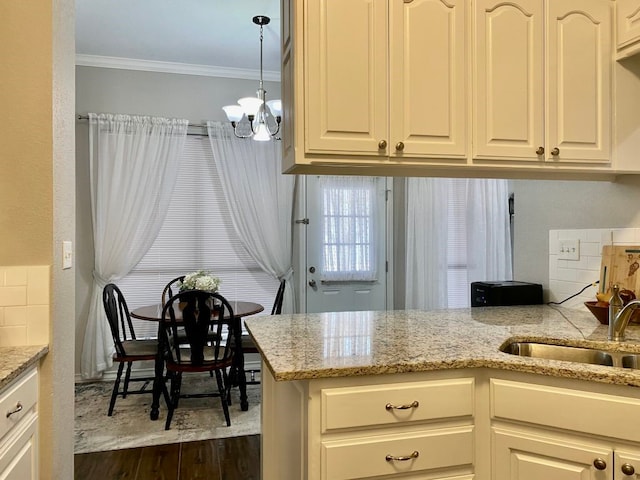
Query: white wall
x,y
541,206
106,90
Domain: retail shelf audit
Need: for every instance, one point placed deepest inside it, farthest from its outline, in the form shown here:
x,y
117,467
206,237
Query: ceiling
x,y
215,34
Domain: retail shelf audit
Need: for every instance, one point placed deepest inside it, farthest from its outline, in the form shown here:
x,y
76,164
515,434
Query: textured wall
x,y
26,216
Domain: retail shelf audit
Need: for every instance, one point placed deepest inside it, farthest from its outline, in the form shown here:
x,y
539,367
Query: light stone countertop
x,y
15,360
343,344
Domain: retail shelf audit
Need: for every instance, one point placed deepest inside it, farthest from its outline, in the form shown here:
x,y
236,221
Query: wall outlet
x,y
569,250
67,254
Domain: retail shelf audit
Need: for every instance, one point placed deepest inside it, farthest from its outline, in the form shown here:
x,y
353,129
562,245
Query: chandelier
x,y
254,117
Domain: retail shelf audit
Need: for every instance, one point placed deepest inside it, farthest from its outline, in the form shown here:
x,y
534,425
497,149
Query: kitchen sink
x,y
567,353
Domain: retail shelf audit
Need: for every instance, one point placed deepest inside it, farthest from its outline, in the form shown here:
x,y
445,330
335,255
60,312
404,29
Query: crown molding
x,y
173,67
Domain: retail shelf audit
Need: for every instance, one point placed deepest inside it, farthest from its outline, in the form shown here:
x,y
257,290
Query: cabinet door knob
x,y
382,144
628,469
600,464
399,146
540,151
555,152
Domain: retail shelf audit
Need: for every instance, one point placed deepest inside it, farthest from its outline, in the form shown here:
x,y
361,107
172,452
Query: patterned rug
x,y
130,426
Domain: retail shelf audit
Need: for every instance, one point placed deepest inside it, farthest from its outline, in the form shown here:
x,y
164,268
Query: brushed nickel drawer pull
x,y
413,404
391,458
15,410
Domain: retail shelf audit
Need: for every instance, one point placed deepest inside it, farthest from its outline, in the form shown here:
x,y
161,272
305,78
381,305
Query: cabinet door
x,y
428,78
627,464
579,59
19,459
522,455
509,75
628,22
346,107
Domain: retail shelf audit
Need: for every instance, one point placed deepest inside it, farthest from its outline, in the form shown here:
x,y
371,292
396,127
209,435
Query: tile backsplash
x,y
568,277
24,305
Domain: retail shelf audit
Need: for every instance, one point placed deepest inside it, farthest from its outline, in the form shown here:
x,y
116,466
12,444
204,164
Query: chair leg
x,y
127,377
114,393
176,381
222,391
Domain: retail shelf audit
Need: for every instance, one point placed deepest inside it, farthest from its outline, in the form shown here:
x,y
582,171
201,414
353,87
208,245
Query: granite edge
x,y
16,360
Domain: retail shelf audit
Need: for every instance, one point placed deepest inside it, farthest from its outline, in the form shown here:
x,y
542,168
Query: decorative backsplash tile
x,y
24,305
568,277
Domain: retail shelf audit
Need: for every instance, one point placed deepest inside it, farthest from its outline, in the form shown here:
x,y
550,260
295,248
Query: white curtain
x,y
133,164
434,232
426,243
260,199
350,207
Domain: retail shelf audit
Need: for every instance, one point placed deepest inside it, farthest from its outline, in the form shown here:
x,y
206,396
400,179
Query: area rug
x,y
130,426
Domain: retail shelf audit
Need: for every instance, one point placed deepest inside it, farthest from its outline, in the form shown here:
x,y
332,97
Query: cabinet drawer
x,y
367,406
367,457
23,392
580,411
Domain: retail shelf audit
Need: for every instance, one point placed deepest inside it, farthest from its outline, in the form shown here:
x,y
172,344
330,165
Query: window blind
x,y
197,234
457,284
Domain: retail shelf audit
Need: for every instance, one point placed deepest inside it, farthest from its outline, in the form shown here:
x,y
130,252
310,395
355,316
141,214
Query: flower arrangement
x,y
200,280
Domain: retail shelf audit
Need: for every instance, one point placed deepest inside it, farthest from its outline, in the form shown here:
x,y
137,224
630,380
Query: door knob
x,y
382,144
312,283
540,151
399,146
555,152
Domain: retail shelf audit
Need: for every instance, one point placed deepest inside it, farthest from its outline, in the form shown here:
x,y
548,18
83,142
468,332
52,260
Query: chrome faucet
x,y
619,315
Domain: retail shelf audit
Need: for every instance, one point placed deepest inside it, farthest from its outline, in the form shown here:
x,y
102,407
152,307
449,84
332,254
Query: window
x,y
197,234
348,228
457,282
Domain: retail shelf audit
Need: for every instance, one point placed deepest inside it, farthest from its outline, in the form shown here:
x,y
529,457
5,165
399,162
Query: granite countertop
x,y
324,345
15,360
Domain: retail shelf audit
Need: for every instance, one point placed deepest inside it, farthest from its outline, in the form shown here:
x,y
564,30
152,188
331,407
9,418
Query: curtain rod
x,y
194,125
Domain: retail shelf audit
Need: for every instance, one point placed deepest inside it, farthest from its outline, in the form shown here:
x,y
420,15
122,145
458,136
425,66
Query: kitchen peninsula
x,y
366,394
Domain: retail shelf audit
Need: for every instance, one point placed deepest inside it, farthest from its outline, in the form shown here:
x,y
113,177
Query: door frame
x,y
300,243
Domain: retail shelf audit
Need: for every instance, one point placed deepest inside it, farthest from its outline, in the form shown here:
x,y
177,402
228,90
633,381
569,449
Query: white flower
x,y
200,280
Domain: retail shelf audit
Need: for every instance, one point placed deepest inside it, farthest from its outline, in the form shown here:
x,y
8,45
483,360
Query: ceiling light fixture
x,y
254,117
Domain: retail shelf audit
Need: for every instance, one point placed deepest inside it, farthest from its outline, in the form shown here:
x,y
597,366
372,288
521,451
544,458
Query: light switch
x,y
67,254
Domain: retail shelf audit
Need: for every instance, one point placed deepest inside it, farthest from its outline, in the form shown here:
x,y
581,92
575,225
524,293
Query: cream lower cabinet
x,y
19,429
371,427
543,81
542,431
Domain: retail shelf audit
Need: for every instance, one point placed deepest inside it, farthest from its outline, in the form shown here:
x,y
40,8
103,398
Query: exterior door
x,y
346,244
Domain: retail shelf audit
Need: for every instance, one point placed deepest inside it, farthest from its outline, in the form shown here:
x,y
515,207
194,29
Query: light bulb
x,y
250,105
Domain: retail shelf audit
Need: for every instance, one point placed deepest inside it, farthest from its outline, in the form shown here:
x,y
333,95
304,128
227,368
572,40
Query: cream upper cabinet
x,y
385,77
346,76
428,65
542,89
628,27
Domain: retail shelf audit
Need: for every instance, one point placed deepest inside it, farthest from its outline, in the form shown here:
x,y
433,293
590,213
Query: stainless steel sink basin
x,y
573,354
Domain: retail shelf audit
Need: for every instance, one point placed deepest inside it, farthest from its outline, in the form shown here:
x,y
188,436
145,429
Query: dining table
x,y
241,309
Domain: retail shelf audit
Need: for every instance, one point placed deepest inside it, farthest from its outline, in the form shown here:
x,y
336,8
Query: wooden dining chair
x,y
202,313
248,346
128,348
172,288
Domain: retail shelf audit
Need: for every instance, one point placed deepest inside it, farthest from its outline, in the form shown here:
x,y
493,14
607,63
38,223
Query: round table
x,y
154,312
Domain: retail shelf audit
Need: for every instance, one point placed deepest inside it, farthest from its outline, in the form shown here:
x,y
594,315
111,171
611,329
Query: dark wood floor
x,y
235,458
